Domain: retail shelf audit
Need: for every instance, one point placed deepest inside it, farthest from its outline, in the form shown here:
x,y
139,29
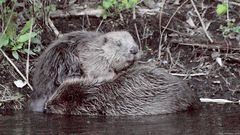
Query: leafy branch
x,y
117,6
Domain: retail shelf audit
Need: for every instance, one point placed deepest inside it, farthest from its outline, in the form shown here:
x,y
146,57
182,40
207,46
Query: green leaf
x,y
15,55
30,52
104,14
25,37
124,4
36,40
51,7
236,29
128,3
133,2
11,30
4,40
2,1
221,9
108,3
26,27
17,47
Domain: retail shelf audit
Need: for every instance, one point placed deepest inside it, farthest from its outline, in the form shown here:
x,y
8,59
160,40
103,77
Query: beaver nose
x,y
134,50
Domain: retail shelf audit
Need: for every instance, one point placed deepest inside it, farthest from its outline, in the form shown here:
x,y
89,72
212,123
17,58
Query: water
x,y
210,120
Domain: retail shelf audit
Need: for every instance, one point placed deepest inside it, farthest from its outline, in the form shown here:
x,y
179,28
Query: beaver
x,y
92,56
145,89
152,3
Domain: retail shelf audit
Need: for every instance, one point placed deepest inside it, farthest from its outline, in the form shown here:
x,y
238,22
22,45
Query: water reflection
x,y
211,120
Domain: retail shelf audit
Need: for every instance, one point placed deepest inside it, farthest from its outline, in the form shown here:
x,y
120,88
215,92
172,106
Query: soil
x,y
186,50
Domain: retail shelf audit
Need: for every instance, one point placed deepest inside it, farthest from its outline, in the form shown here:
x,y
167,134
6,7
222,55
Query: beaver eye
x,y
119,44
105,40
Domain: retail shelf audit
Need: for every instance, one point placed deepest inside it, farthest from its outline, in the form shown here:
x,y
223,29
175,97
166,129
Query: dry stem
x,y
136,29
15,67
201,20
10,61
29,44
189,75
162,33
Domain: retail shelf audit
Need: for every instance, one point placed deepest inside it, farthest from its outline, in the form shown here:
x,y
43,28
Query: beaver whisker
x,y
111,60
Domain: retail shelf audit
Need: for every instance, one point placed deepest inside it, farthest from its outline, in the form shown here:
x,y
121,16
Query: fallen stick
x,y
220,101
201,20
15,67
191,75
73,12
211,46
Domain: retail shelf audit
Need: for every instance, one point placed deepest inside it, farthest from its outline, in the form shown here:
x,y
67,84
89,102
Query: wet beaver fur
x,y
144,89
91,56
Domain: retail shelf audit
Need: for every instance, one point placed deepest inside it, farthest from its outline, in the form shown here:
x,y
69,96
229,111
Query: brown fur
x,y
152,3
90,56
143,90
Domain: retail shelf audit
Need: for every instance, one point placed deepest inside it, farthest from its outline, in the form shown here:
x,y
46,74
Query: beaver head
x,y
121,49
152,3
109,54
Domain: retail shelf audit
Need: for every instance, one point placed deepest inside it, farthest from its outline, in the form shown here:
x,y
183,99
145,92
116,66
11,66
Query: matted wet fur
x,y
143,90
91,56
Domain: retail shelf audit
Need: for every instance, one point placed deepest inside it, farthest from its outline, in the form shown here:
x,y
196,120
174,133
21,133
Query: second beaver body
x,y
143,90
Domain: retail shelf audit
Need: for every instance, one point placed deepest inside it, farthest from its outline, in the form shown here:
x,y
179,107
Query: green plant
x,y
15,34
229,27
221,8
117,6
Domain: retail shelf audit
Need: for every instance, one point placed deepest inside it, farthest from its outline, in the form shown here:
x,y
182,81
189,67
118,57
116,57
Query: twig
x,y
15,67
136,29
203,25
161,36
175,31
2,86
160,30
189,75
234,3
74,12
5,55
52,26
99,25
88,20
29,45
207,100
10,17
48,21
227,1
12,98
213,46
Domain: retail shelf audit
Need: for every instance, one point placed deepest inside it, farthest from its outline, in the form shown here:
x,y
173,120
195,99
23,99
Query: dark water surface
x,y
210,120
